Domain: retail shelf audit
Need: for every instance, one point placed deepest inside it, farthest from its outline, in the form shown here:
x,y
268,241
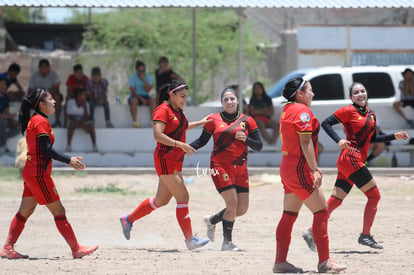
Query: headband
x,y
38,99
176,88
300,87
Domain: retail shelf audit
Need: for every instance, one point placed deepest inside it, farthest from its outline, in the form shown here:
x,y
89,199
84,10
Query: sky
x,y
58,15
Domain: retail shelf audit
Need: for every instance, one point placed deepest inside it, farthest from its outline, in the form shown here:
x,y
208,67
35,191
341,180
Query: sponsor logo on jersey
x,y
305,117
225,177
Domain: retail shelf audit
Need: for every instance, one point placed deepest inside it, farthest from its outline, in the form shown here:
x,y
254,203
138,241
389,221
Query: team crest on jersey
x,y
175,118
225,177
305,117
243,125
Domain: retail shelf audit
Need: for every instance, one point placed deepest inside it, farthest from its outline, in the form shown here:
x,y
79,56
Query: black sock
x,y
227,230
216,218
371,157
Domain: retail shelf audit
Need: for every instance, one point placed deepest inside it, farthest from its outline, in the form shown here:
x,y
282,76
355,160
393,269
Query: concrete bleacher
x,y
124,146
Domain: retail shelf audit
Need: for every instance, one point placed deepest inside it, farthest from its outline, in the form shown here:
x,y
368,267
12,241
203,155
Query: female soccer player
x,y
169,126
360,127
232,133
301,177
39,187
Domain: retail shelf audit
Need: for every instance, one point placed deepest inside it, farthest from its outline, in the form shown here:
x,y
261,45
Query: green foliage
x,y
10,173
148,34
24,15
108,189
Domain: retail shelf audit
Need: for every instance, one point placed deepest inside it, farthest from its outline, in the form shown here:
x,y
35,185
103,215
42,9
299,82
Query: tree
x,y
24,15
151,33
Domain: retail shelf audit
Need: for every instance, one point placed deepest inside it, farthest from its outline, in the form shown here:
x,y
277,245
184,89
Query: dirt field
x,y
157,245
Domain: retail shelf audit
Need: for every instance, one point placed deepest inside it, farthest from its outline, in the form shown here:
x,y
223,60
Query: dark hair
x,y
77,67
406,71
14,67
31,101
353,85
78,91
139,63
292,87
162,59
228,89
264,94
165,90
95,71
44,62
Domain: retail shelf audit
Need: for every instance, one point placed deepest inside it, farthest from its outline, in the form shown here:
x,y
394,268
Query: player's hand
x,y
240,135
401,135
204,120
317,174
76,163
344,144
188,149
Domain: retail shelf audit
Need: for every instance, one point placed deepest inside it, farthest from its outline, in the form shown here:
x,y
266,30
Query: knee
x,y
241,210
161,203
373,194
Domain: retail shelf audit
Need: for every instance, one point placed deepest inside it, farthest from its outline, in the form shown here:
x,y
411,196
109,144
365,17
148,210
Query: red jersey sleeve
x,y
251,125
342,114
209,126
42,128
303,121
160,115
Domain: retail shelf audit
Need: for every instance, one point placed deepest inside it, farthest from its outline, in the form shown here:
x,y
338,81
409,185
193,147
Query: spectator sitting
x,y
98,95
78,117
49,80
77,80
261,109
163,76
407,94
8,124
11,78
140,84
245,105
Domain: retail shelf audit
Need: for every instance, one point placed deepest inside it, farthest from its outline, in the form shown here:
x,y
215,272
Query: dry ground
x,y
157,246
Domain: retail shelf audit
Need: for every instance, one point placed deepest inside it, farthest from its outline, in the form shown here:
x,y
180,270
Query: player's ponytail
x,y
31,101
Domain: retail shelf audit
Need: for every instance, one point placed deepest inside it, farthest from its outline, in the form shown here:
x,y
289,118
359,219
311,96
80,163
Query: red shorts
x,y
349,162
166,166
227,175
296,177
265,119
42,188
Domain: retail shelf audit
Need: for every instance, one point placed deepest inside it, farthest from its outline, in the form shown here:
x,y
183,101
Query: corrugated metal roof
x,y
212,3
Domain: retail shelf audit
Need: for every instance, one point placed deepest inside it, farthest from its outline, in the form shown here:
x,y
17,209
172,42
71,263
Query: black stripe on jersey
x,y
163,150
362,136
239,161
179,131
301,175
40,173
227,137
353,159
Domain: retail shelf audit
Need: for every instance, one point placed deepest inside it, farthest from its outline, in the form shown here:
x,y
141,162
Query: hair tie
x,y
38,99
176,88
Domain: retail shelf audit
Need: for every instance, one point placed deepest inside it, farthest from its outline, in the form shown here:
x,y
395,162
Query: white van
x,y
331,88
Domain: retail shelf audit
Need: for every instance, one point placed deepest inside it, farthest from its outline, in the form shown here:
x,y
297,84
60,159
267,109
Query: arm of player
x,y
159,135
202,140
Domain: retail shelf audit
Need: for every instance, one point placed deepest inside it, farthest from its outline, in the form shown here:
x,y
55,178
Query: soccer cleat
x,y
368,240
126,226
329,266
195,242
83,251
286,267
308,237
211,228
229,246
8,252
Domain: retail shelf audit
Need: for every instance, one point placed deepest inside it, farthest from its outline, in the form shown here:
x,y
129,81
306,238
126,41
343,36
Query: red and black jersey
x,y
36,159
226,148
359,127
296,119
176,125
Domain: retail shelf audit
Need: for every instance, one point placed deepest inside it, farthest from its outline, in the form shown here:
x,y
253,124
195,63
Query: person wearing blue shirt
x,y
140,84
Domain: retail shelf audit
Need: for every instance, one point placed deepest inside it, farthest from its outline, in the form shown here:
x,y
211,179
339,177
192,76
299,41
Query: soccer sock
x,y
216,218
283,235
333,203
145,207
227,230
320,233
15,229
66,231
184,220
373,196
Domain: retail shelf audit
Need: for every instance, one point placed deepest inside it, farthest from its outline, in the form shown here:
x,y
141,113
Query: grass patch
x,y
108,189
10,173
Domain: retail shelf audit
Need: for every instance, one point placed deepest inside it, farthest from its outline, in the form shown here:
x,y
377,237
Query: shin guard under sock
x,y
66,231
227,230
373,196
145,207
333,203
283,235
184,220
218,217
15,229
320,234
